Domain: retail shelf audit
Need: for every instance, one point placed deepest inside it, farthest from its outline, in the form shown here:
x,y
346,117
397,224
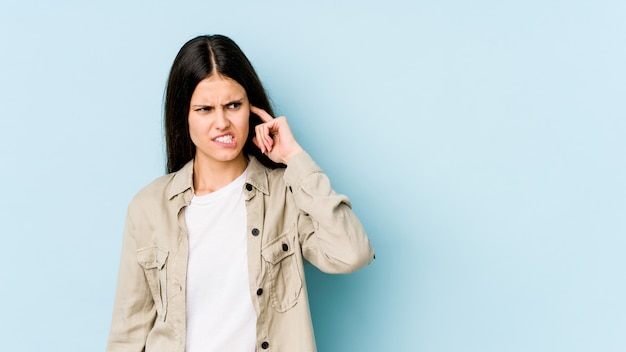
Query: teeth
x,y
224,139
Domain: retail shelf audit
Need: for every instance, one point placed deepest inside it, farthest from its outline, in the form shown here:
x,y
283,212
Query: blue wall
x,y
481,142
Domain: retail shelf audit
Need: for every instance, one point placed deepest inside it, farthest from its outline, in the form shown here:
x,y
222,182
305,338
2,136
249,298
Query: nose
x,y
221,122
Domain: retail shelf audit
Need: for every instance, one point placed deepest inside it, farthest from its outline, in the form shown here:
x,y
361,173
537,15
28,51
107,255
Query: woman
x,y
213,253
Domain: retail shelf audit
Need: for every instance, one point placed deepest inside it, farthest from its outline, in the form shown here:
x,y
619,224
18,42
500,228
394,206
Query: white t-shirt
x,y
220,314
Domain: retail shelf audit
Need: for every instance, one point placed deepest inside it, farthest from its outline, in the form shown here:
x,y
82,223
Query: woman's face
x,y
219,114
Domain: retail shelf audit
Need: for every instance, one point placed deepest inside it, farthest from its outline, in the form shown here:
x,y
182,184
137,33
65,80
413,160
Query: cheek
x,y
243,122
195,128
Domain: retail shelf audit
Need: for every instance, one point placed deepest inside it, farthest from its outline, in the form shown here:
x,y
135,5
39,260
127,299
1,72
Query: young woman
x,y
213,253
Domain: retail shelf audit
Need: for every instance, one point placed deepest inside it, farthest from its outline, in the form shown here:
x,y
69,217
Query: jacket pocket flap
x,y
152,257
279,249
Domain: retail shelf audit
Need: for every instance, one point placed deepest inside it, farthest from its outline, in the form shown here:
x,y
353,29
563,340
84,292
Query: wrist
x,y
297,150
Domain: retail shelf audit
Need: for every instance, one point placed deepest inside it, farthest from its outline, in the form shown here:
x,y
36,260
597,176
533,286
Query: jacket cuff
x,y
299,168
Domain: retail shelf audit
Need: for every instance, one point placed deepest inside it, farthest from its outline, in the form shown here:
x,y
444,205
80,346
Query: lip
x,y
232,143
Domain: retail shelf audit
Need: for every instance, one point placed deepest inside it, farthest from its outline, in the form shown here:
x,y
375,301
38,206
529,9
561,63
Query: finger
x,y
267,136
262,134
259,138
265,117
256,142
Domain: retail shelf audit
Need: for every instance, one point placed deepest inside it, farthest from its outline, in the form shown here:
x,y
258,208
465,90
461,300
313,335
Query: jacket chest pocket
x,y
283,270
153,261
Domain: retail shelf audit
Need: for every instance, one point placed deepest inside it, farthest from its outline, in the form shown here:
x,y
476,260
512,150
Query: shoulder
x,y
155,189
153,193
300,166
164,188
262,177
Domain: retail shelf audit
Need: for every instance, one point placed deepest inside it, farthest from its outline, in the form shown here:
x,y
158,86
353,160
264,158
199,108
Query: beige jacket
x,y
293,215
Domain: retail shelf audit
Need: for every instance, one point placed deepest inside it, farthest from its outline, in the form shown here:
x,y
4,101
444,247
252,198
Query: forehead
x,y
217,89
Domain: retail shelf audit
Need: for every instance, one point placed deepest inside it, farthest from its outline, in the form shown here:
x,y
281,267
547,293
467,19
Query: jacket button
x,y
265,345
259,292
290,190
285,247
248,187
255,232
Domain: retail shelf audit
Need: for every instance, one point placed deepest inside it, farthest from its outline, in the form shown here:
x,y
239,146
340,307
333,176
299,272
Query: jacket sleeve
x,y
331,236
134,310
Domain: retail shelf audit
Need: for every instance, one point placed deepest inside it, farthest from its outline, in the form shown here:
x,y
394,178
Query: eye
x,y
234,106
203,108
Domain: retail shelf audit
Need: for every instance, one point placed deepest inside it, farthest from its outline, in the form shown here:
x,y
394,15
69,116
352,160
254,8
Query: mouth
x,y
225,140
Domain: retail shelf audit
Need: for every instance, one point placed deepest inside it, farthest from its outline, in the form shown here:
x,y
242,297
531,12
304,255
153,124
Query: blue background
x,y
481,142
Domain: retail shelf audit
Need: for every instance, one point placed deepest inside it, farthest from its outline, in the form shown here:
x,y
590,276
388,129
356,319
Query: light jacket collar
x,y
183,178
257,175
182,181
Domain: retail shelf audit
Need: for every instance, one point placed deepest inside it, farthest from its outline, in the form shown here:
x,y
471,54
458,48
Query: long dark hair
x,y
196,60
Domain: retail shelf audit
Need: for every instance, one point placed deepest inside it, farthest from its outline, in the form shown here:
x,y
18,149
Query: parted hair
x,y
199,58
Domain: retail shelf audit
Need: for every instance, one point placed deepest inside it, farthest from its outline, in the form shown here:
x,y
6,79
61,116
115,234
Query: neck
x,y
210,176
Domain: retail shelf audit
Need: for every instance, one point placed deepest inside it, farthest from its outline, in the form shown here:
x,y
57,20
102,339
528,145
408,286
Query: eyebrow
x,y
228,103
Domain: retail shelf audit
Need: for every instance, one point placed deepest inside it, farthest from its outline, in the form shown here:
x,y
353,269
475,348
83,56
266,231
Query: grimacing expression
x,y
219,115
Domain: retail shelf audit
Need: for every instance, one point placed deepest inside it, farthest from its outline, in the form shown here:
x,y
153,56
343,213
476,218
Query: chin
x,y
227,157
